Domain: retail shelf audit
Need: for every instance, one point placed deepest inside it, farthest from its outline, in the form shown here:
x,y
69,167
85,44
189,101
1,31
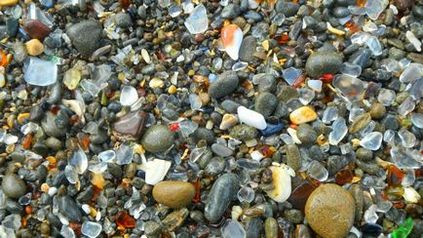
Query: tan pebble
x,y
204,97
4,3
34,47
156,83
330,211
228,121
174,194
303,115
172,89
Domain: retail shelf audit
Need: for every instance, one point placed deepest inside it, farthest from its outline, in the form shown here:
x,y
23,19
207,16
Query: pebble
x,y
221,194
13,186
225,84
281,181
123,20
293,157
5,3
85,36
323,62
251,118
174,194
68,207
34,47
303,115
247,49
228,121
157,138
132,124
330,211
265,104
243,132
377,111
306,134
271,227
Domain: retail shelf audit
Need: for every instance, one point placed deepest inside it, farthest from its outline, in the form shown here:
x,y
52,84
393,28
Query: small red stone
x,y
36,29
344,176
326,78
174,127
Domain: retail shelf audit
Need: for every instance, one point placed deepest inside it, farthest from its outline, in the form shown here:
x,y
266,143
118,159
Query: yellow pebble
x,y
4,3
45,187
22,117
93,212
303,115
172,89
34,47
156,83
11,121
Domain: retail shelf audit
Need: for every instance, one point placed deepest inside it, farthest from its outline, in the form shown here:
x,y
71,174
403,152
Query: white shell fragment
x,y
156,170
251,118
281,181
231,39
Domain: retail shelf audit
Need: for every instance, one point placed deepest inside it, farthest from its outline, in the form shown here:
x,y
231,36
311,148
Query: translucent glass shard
x,y
197,22
339,131
372,141
40,72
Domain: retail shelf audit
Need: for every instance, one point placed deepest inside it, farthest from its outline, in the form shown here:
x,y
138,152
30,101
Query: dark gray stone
x,y
85,36
226,83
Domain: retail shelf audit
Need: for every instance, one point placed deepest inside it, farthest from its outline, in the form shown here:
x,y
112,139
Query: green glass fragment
x,y
404,229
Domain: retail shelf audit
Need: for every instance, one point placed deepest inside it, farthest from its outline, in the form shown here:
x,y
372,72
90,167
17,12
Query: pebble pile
x,y
219,118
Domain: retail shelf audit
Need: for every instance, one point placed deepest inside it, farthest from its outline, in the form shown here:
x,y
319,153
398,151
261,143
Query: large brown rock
x,y
330,211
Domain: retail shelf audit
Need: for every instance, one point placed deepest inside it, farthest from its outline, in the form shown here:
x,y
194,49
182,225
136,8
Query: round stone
x,y
13,186
377,111
330,211
157,138
34,47
85,36
322,62
174,194
226,83
266,103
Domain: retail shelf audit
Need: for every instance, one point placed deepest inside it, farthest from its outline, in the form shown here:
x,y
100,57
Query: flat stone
x,y
247,50
36,29
69,208
303,115
266,103
174,194
131,125
157,138
226,83
221,194
85,36
13,186
322,62
330,211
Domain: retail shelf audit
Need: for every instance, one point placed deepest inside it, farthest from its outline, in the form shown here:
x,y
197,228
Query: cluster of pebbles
x,y
196,118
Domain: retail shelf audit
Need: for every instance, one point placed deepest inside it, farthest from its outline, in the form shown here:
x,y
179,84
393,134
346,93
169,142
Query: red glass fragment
x,y
344,176
394,176
326,78
124,220
197,196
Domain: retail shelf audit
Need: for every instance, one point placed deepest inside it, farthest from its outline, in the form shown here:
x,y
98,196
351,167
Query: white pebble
x,y
251,118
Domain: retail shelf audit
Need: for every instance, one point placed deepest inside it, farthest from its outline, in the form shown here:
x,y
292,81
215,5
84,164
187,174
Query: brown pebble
x,y
174,194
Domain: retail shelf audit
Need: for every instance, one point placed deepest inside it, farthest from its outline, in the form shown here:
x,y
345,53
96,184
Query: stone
x,y
251,118
13,186
123,20
377,111
36,29
85,36
174,194
247,50
12,25
330,211
303,115
225,84
34,47
7,3
281,182
243,132
131,125
323,62
157,138
68,207
50,127
265,104
221,194
306,134
271,227
293,157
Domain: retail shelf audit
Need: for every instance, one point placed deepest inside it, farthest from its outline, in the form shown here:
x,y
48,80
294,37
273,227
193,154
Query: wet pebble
x,y
85,36
157,138
174,194
13,186
225,84
322,62
221,194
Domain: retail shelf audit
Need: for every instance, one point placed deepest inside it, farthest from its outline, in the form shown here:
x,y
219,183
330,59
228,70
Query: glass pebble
x,y
372,141
317,171
91,229
40,72
197,22
233,229
246,194
128,96
339,131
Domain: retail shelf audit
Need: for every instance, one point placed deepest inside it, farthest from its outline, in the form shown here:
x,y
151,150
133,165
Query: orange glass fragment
x,y
98,180
27,141
344,176
3,59
124,221
352,27
394,176
197,196
361,3
76,227
85,142
268,151
282,39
